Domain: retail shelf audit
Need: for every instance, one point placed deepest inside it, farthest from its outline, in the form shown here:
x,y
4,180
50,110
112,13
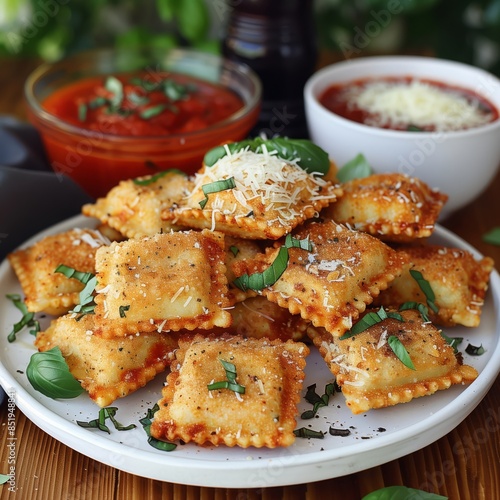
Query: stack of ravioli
x,y
254,261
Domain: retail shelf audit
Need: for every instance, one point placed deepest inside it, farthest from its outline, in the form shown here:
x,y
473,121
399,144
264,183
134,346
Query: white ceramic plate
x,y
376,437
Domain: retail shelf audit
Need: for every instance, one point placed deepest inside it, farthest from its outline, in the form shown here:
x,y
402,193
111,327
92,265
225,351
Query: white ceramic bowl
x,y
459,163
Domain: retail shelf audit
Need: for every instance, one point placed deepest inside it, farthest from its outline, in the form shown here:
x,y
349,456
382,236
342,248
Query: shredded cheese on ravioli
x,y
398,104
278,184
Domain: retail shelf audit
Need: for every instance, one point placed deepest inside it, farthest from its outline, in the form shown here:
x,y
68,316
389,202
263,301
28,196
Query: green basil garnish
x,y
115,87
100,421
475,350
234,250
401,493
216,187
86,303
426,289
146,425
259,281
303,432
316,400
311,157
28,318
153,111
122,310
49,374
400,351
493,236
452,341
159,175
424,312
356,168
370,319
230,383
82,112
4,478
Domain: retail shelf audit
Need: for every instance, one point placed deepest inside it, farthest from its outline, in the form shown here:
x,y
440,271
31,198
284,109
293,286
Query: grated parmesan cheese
x,y
399,104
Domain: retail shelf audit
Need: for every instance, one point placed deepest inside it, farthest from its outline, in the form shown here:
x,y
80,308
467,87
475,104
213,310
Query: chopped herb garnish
x,y
400,351
475,350
28,318
424,312
316,400
82,112
401,493
153,111
259,281
234,250
453,341
86,303
304,432
122,310
137,99
49,374
339,432
146,425
69,272
115,87
426,289
414,128
356,168
216,187
159,175
100,421
370,319
231,382
97,102
311,157
493,236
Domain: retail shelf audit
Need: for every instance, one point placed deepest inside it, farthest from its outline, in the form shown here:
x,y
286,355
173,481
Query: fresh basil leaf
x,y
230,383
259,281
146,425
452,341
400,351
316,400
122,310
49,374
304,432
216,187
69,272
424,312
4,478
100,421
370,319
356,168
234,250
193,19
153,178
26,320
86,303
426,289
311,157
152,111
493,236
304,244
401,493
475,350
82,112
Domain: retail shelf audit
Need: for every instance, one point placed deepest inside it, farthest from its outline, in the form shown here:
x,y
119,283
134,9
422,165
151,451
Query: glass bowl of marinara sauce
x,y
109,115
426,117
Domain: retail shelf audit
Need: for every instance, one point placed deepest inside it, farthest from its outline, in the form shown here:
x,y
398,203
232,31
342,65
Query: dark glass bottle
x,y
276,39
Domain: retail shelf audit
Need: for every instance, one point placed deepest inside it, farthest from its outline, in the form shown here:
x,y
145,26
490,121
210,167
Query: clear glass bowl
x,y
97,160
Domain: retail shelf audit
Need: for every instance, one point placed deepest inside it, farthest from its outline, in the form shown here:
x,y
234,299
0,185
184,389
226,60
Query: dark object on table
x,y
32,197
277,40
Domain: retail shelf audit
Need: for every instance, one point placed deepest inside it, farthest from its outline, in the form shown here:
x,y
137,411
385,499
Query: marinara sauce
x,y
142,105
343,99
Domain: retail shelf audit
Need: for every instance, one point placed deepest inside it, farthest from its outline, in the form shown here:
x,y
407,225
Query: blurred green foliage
x,y
462,30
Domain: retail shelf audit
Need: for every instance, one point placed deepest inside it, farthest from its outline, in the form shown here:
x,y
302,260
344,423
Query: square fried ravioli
x,y
391,206
45,290
134,206
372,376
271,373
331,284
458,280
165,282
268,198
107,369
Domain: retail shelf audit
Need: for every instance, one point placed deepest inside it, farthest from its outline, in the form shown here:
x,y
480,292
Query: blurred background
x,y
461,30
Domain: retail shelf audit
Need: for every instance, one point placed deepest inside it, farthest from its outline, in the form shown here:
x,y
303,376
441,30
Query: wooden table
x,y
463,465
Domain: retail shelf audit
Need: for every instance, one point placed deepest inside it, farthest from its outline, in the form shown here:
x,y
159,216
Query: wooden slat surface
x,y
463,465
